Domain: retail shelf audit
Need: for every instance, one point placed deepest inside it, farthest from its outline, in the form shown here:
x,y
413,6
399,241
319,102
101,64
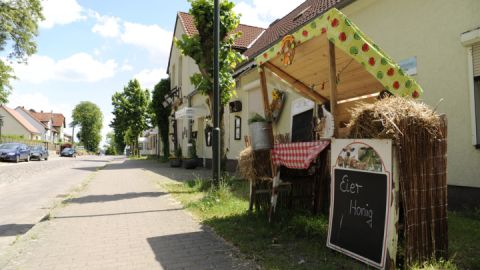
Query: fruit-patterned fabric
x,y
349,38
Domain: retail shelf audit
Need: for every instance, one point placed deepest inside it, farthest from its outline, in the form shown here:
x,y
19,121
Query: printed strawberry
x,y
390,72
371,61
324,30
335,23
342,36
396,85
415,94
365,47
305,33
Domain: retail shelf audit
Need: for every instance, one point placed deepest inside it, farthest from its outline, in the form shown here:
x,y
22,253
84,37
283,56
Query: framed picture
x,y
238,128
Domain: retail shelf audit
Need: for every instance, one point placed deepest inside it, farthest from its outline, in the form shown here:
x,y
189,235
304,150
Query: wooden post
x,y
333,86
263,84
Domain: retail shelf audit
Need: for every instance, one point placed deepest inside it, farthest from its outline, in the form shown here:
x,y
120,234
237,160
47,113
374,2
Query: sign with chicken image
x,y
360,195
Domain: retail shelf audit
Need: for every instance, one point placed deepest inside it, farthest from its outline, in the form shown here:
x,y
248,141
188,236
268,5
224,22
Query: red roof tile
x,y
298,17
58,119
21,120
249,33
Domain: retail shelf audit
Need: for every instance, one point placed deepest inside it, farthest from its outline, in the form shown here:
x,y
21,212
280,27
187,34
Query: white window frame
x,y
468,39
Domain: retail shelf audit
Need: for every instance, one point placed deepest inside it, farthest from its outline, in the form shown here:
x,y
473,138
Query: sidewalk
x,y
123,221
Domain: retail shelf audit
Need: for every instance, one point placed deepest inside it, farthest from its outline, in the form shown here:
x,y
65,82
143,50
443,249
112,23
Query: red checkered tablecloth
x,y
297,155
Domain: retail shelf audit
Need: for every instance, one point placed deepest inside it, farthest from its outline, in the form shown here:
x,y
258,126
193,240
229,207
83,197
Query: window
x,y
476,93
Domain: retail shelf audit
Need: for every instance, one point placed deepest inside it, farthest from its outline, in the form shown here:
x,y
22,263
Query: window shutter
x,y
476,59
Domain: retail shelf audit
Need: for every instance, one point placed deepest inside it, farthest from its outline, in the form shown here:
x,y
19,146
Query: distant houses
x,y
33,125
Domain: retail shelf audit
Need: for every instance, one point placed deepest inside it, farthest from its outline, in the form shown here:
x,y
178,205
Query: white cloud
x,y
263,12
78,67
151,37
107,26
149,77
126,67
61,12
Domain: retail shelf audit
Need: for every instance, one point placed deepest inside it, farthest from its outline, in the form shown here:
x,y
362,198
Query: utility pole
x,y
216,147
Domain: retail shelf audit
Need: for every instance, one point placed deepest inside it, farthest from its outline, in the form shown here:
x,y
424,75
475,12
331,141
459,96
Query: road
x,y
28,190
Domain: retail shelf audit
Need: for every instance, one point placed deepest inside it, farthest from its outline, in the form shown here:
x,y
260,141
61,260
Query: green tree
x,y
110,147
131,114
88,116
200,48
160,114
18,27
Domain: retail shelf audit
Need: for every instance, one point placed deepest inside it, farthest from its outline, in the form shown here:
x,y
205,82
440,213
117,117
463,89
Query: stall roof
x,y
362,67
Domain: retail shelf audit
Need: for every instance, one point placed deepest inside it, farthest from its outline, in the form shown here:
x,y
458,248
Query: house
x,y
54,121
441,54
15,124
190,119
149,143
46,132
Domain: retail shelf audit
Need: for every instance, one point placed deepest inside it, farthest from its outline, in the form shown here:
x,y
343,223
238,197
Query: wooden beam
x,y
263,84
300,86
333,86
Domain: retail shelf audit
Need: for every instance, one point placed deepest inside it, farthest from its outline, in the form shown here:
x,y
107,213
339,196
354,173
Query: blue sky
x,y
90,49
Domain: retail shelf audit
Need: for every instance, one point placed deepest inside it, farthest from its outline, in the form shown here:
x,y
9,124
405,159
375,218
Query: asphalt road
x,y
28,190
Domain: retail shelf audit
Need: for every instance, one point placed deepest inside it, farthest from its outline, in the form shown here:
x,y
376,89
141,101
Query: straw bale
x,y
246,164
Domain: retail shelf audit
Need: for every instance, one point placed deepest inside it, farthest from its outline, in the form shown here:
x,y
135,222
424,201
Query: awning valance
x,y
362,66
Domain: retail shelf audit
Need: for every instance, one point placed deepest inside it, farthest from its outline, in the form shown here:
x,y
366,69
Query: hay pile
x,y
420,137
245,164
385,119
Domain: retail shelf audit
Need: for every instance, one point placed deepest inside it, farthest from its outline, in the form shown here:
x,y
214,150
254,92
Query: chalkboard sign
x,y
359,209
302,128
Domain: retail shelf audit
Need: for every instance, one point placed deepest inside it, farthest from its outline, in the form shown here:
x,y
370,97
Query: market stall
x,y
331,62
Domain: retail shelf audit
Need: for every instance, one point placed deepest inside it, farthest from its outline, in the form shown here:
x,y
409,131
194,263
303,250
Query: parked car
x,y
39,153
14,152
68,152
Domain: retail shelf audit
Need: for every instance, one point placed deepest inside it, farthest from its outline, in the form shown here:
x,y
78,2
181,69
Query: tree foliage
x,y
200,47
110,147
18,27
131,114
160,114
88,116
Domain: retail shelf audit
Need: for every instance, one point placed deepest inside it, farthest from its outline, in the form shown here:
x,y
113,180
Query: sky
x,y
90,49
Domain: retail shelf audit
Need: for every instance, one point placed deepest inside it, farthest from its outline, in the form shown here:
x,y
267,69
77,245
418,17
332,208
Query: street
x,y
28,190
121,220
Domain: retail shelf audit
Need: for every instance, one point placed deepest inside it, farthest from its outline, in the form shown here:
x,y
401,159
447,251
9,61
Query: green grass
x,y
298,240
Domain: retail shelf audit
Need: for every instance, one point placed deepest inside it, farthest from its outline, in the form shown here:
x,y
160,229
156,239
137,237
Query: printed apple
x,y
396,85
390,72
335,23
365,47
342,36
415,94
324,30
305,33
371,61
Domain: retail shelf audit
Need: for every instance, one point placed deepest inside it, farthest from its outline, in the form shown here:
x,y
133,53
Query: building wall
x,y
430,30
12,127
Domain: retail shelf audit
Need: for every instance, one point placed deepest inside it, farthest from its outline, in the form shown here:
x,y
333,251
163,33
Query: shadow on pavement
x,y
113,197
161,169
119,214
14,229
194,250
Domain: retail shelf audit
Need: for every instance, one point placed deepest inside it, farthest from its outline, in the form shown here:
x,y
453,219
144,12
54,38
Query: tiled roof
x,y
58,119
20,119
249,33
30,113
305,12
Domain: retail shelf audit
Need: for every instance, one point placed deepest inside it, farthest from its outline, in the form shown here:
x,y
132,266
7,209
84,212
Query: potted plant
x,y
191,162
260,129
176,160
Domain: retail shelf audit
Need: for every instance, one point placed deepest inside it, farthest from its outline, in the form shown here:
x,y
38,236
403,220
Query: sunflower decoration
x,y
288,50
276,106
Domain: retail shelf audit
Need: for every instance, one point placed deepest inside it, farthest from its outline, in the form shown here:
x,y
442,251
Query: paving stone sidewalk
x,y
123,221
